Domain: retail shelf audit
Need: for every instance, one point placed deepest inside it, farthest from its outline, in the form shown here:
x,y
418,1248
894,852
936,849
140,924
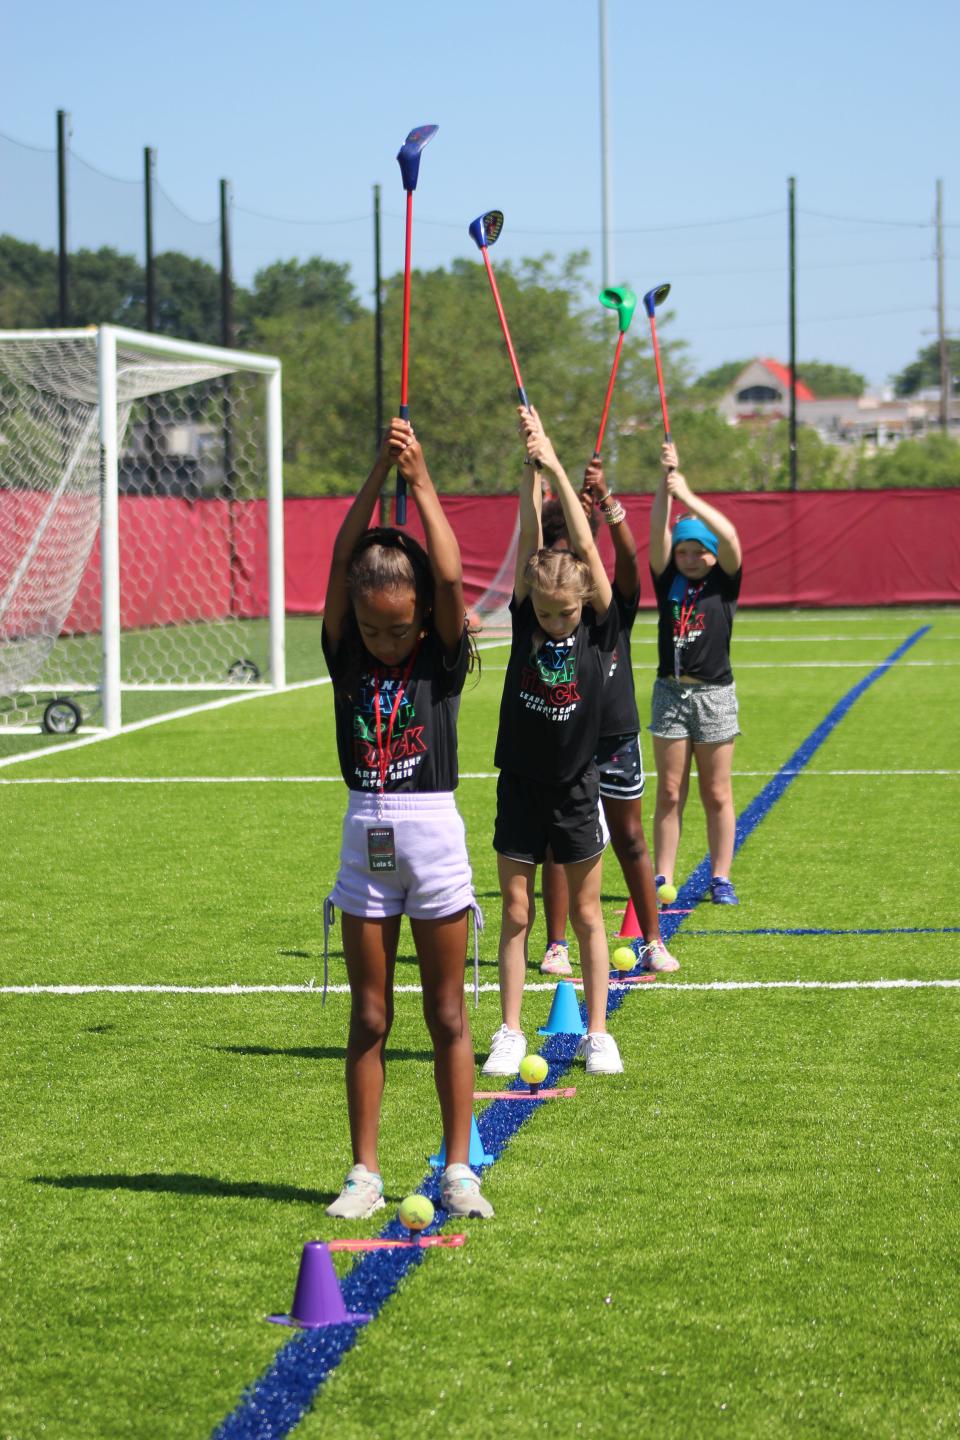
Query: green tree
x,y
28,285
188,298
924,372
829,381
289,286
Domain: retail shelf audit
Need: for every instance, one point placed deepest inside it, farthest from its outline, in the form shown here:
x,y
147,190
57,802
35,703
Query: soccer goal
x,y
141,525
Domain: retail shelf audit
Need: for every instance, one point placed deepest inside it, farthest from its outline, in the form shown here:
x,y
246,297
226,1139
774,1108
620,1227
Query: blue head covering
x,y
690,528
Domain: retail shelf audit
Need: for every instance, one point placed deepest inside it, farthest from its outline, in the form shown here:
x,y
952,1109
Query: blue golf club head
x,y
622,299
485,230
408,156
655,297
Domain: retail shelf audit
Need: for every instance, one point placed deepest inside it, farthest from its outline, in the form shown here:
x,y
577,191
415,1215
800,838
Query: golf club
x,y
651,300
408,158
485,231
622,299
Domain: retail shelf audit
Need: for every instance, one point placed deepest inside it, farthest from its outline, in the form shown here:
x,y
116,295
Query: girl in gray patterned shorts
x,y
697,569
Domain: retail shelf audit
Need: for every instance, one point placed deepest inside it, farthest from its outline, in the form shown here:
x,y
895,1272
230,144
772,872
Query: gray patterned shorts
x,y
705,714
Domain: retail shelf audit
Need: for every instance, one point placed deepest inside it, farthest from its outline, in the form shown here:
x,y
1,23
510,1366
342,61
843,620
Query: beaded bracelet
x,y
615,515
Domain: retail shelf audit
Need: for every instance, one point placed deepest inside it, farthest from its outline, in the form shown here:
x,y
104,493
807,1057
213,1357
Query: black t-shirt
x,y
551,706
422,750
619,709
696,623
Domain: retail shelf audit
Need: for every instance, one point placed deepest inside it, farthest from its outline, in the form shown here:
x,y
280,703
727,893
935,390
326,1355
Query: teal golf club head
x,y
622,299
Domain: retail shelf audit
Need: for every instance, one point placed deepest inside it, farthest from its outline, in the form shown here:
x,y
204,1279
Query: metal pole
x,y
941,326
109,526
226,276
605,150
227,340
63,304
278,671
149,171
792,210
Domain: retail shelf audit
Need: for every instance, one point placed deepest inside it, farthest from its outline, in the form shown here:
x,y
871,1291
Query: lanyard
x,y
687,606
383,752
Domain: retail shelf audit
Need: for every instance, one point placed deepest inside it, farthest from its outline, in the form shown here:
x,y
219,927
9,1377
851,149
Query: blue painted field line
x,y
811,930
276,1402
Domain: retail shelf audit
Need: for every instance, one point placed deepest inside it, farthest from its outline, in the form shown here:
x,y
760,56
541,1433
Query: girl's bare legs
x,y
586,917
517,892
714,766
624,817
555,900
370,950
441,949
673,778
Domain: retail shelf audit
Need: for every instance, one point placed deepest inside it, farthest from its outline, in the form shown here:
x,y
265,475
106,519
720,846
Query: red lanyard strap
x,y
383,752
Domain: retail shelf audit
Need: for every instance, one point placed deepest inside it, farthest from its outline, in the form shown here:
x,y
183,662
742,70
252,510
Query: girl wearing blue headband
x,y
697,569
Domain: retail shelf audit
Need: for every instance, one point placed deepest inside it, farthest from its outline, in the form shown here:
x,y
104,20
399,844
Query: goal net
x,y
140,525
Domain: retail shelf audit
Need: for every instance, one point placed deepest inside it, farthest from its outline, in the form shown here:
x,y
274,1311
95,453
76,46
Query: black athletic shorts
x,y
533,818
621,766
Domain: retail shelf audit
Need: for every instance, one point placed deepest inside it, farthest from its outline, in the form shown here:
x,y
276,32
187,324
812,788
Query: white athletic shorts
x,y
432,876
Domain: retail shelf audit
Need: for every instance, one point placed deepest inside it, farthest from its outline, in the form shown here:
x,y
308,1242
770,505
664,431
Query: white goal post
x,y
141,522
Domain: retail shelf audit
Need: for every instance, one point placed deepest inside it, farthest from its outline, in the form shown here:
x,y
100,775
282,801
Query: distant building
x,y
761,395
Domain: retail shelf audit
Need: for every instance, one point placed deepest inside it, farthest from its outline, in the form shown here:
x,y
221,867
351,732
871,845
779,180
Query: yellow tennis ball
x,y
416,1212
623,958
533,1069
667,893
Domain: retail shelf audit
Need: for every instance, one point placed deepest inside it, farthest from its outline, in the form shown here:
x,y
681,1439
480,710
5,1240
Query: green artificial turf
x,y
752,1232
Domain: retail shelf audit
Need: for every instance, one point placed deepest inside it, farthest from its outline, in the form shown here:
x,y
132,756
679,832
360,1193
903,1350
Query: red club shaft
x,y
663,395
405,349
606,403
503,319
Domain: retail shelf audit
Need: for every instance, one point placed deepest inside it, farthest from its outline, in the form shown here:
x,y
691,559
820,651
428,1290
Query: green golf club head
x,y
622,299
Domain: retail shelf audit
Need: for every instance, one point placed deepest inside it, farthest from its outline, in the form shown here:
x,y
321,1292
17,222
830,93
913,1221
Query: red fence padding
x,y
828,548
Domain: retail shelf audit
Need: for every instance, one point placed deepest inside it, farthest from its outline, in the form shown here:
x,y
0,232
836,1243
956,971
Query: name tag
x,y
381,848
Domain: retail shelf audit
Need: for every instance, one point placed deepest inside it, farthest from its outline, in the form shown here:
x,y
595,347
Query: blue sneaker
x,y
722,892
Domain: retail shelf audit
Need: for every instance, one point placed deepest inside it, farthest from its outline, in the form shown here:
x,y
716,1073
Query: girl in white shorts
x,y
395,641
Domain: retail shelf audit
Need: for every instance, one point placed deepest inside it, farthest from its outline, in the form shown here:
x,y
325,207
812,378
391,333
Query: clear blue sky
x,y
303,105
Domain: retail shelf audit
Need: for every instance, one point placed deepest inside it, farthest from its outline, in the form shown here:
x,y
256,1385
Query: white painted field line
x,y
183,714
338,780
674,988
639,665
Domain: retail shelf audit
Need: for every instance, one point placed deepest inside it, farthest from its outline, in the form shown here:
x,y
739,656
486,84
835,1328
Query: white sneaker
x,y
599,1049
460,1194
657,957
507,1049
361,1196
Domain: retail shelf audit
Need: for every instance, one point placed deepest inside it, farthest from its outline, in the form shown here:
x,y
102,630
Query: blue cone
x,y
565,1017
477,1155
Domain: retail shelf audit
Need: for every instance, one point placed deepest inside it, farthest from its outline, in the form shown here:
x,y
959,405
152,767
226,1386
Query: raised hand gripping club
x,y
485,231
651,300
622,299
408,158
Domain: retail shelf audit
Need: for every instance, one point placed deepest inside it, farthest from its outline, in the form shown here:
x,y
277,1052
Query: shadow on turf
x,y
182,1184
317,1052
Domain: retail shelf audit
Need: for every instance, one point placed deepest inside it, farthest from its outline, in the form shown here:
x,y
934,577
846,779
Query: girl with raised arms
x,y
564,627
395,641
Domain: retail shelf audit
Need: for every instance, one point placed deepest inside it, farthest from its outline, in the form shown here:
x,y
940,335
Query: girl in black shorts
x,y
564,627
619,758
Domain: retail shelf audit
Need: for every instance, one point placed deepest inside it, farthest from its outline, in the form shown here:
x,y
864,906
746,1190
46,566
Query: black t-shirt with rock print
x,y
696,623
552,696
423,743
619,714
